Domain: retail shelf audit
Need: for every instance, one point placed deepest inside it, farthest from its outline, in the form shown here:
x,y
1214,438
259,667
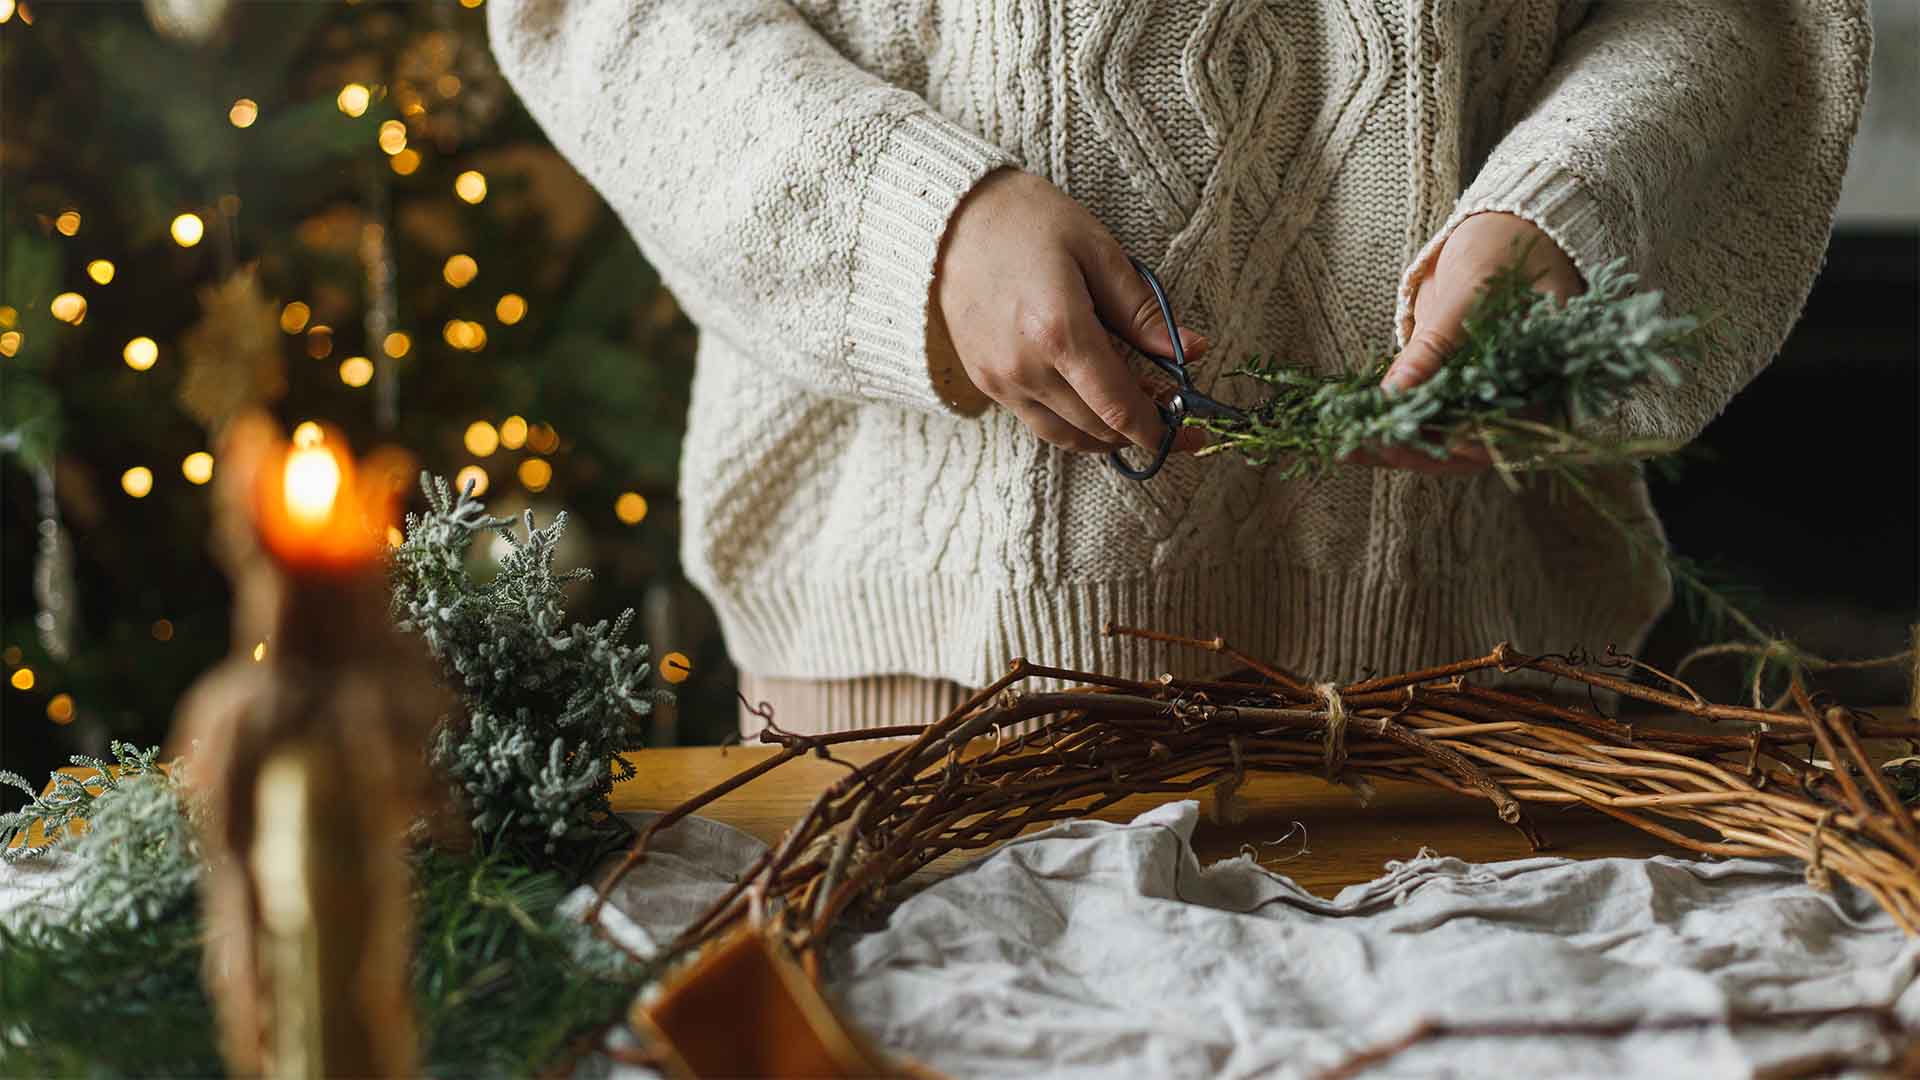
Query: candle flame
x,y
312,485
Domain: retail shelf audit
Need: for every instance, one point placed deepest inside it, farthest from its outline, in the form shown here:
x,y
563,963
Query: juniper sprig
x,y
1532,373
547,705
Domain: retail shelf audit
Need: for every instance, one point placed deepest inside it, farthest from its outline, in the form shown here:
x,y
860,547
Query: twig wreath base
x,y
1792,782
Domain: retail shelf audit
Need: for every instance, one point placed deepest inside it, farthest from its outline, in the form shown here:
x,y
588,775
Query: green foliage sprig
x,y
67,798
1529,365
546,705
504,981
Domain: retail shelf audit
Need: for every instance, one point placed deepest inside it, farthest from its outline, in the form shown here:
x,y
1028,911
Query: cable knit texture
x,y
1291,171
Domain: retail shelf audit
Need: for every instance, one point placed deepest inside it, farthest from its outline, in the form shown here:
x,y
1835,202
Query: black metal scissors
x,y
1185,401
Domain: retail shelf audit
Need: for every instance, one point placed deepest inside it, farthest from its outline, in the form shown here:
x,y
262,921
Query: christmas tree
x,y
336,210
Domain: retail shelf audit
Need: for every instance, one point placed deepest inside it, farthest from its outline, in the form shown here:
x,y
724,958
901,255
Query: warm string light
x,y
162,629
465,335
68,307
481,438
101,271
543,439
513,432
243,113
140,353
197,467
6,10
319,341
259,652
393,136
535,474
630,507
293,317
511,309
10,342
22,679
68,223
307,434
60,709
470,186
356,371
397,344
354,99
137,481
460,270
405,163
9,317
187,229
472,474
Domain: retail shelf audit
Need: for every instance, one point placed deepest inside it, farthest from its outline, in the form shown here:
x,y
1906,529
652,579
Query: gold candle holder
x,y
309,744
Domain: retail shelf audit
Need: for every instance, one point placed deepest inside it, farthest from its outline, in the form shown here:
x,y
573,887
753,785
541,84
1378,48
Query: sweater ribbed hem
x,y
926,167
1321,625
1545,194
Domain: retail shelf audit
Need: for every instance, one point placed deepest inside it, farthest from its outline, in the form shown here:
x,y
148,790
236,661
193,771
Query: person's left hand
x,y
1477,248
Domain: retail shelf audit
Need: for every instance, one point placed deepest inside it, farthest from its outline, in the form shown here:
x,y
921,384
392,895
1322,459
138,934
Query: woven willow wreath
x,y
1795,783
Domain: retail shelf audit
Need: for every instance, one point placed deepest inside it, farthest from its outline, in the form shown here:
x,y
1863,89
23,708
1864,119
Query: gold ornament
x,y
233,357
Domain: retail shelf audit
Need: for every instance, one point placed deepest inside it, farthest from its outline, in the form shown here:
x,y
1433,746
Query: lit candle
x,y
312,752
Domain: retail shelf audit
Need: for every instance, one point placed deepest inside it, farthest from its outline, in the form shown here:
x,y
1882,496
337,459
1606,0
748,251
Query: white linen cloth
x,y
1094,949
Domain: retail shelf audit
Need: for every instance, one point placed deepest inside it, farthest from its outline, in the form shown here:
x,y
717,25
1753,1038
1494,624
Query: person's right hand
x,y
1032,290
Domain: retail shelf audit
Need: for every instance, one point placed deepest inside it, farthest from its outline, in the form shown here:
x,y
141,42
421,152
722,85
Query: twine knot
x,y
1817,875
1336,744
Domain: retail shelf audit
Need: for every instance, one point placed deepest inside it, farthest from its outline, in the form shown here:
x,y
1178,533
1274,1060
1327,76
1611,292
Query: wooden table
x,y
1346,843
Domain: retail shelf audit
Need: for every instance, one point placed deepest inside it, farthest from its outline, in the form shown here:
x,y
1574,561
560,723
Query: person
x,y
902,230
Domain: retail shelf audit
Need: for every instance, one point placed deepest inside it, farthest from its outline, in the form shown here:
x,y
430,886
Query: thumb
x,y
1434,339
1125,303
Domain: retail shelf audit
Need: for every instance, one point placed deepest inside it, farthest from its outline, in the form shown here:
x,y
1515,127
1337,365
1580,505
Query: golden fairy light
x,y
259,651
406,162
448,85
472,474
293,317
10,343
68,307
60,709
68,223
513,432
393,136
137,481
243,113
9,317
465,335
511,309
471,186
459,270
197,467
675,667
308,434
187,229
353,99
319,341
162,629
140,353
6,10
535,474
356,371
481,438
543,439
630,507
396,344
22,679
471,3
101,271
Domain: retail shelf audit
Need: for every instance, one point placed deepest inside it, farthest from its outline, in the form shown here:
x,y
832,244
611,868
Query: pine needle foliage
x,y
67,798
1532,372
547,705
105,979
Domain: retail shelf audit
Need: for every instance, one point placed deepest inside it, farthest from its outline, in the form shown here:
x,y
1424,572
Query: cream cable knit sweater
x,y
1290,170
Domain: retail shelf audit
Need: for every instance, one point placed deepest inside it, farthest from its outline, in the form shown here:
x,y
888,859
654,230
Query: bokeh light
x,y
60,709
471,186
630,507
140,353
513,432
460,270
354,99
472,474
68,307
101,271
481,438
187,229
68,223
393,136
397,344
406,162
293,317
511,309
243,113
197,467
137,481
356,371
535,474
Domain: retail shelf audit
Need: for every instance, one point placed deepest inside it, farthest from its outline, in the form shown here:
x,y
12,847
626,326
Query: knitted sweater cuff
x,y
1550,197
926,166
